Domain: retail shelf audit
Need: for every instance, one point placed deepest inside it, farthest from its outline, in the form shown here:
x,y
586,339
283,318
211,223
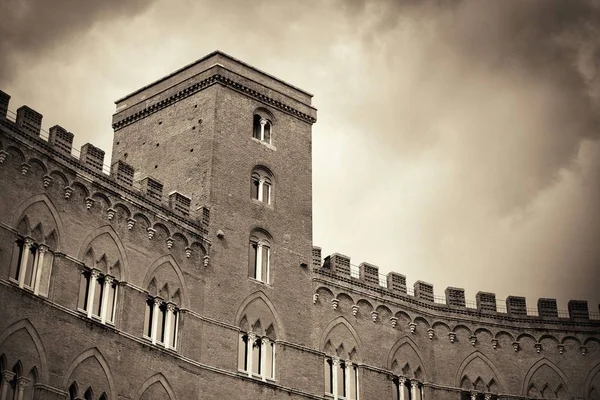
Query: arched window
x,y
161,322
73,391
341,378
262,184
407,389
88,395
256,355
98,295
260,256
262,127
31,263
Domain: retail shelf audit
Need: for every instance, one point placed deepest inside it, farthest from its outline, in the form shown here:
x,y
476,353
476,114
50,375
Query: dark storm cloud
x,y
33,27
546,49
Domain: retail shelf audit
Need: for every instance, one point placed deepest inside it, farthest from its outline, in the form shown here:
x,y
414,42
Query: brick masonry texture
x,y
200,144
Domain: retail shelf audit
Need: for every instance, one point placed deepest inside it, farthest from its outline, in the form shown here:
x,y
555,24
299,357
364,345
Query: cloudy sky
x,y
457,141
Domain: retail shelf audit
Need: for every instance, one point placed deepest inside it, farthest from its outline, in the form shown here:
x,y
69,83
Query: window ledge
x,y
267,284
266,144
262,203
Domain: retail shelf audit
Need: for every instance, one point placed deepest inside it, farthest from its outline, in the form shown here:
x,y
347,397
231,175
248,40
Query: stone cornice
x,y
203,84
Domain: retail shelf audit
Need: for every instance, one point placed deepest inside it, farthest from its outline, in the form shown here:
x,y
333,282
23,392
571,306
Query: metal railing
x,y
501,306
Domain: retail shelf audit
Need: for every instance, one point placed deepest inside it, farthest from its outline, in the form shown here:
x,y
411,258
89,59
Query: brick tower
x,y
238,141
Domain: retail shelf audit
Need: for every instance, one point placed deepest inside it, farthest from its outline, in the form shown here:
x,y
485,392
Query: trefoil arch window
x,y
161,322
98,295
407,389
341,378
260,257
31,265
256,356
262,128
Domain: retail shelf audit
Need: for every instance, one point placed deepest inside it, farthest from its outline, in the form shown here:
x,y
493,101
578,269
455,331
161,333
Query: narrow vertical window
x,y
148,317
16,261
259,262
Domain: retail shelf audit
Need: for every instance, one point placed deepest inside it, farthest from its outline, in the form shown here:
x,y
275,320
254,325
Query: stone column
x,y
335,361
258,272
38,268
487,396
473,395
169,325
92,291
22,383
155,317
416,393
263,122
7,376
264,342
401,388
26,250
251,340
261,183
108,280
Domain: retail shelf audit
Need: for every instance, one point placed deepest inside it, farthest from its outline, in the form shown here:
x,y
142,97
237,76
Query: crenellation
x,y
423,291
4,102
152,187
396,282
578,309
369,273
486,302
455,297
516,305
122,172
29,120
547,308
61,139
92,157
316,257
337,263
179,202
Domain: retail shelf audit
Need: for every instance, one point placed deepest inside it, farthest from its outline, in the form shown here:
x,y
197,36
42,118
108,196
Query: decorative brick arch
x,y
160,378
95,353
407,341
43,198
589,380
261,295
168,259
37,341
340,321
479,355
538,365
111,232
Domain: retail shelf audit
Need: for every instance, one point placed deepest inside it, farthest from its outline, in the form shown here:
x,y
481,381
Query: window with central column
x,y
341,378
256,355
31,265
259,267
161,322
407,389
98,295
262,184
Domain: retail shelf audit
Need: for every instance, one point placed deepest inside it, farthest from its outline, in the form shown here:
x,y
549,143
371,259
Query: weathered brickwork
x,y
146,279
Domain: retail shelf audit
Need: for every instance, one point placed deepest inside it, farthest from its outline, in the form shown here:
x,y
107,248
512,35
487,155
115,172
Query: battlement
x,y
365,275
28,123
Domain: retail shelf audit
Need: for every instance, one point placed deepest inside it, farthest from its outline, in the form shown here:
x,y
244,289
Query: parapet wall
x,y
367,276
90,160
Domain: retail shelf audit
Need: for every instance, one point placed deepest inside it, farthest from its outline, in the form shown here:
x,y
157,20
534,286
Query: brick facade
x,y
173,234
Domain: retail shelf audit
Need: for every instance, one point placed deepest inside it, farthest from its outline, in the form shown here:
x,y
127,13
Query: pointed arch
x,y
157,378
410,343
479,355
107,229
43,198
168,259
340,321
280,330
540,363
91,353
587,388
37,341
